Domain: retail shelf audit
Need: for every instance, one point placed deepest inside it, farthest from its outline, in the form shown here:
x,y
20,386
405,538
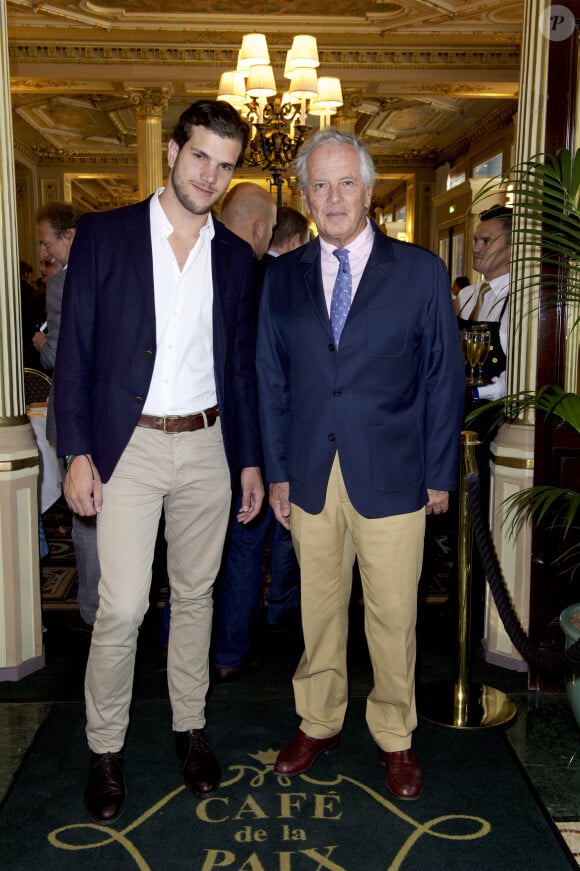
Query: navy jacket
x,y
389,400
107,344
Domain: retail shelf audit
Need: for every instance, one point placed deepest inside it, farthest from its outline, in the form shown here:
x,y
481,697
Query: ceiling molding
x,y
419,77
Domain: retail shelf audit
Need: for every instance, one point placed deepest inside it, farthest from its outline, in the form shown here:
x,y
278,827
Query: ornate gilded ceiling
x,y
418,75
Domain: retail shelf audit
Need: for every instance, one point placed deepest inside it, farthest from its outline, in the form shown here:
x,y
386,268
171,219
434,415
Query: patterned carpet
x,y
59,590
571,834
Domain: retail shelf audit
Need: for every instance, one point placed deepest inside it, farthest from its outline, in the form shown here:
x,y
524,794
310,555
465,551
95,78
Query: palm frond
x,y
546,236
558,505
551,399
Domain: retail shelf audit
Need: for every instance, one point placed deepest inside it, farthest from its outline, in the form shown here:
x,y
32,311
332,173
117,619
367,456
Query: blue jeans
x,y
284,589
240,584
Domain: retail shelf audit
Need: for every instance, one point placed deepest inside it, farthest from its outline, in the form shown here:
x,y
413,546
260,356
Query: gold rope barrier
x,y
461,704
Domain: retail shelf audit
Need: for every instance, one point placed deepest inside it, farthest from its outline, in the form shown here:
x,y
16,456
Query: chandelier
x,y
279,121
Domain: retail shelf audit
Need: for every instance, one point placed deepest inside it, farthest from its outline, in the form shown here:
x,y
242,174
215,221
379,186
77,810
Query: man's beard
x,y
186,202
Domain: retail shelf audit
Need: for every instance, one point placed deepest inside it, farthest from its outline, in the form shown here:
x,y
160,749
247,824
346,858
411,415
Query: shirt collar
x,y
359,246
500,284
161,224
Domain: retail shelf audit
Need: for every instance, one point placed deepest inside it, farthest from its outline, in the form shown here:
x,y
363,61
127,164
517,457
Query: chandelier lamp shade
x,y
279,121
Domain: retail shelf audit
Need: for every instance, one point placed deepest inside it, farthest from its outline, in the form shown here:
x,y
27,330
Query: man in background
x,y
291,231
56,228
32,316
460,282
250,212
485,304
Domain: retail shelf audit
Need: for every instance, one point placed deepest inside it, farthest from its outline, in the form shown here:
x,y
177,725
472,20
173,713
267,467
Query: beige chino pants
x,y
390,555
187,475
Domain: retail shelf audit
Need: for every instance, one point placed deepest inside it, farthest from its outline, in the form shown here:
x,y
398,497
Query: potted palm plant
x,y
546,193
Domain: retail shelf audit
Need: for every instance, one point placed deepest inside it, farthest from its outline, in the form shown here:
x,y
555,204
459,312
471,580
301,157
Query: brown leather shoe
x,y
404,777
201,771
228,675
105,791
299,755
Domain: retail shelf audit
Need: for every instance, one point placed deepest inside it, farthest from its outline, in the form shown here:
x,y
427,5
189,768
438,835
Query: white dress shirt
x,y
491,310
183,379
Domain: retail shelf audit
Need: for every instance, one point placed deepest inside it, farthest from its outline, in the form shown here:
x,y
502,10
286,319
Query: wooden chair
x,y
36,386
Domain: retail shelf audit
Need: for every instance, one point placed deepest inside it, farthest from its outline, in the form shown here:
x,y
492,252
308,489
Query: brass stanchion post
x,y
464,705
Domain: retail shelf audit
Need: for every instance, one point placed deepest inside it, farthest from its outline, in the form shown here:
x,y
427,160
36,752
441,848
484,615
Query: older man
x,y
361,397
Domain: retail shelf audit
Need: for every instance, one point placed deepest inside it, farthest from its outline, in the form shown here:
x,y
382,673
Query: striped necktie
x,y
474,316
341,294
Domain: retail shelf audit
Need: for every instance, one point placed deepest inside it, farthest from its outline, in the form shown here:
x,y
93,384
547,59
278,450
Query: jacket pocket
x,y
387,330
397,455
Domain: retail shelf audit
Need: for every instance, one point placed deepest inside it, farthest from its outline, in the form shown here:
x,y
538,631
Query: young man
x,y
156,403
361,395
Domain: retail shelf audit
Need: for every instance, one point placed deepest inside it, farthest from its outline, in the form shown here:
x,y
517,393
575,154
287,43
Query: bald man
x,y
250,212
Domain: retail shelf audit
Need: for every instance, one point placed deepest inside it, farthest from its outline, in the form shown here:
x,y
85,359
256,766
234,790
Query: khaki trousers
x,y
187,475
390,554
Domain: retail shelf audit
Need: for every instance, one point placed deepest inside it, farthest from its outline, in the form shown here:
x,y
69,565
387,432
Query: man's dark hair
x,y
289,222
504,215
217,116
60,216
462,281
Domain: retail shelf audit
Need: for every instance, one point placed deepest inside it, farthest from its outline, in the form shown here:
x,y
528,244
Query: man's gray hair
x,y
332,136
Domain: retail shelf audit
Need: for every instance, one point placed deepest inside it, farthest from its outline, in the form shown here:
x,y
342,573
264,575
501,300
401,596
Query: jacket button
x,y
148,352
138,399
331,347
337,391
331,437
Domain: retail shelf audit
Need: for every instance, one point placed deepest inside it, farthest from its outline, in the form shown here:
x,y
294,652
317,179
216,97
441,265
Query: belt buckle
x,y
169,417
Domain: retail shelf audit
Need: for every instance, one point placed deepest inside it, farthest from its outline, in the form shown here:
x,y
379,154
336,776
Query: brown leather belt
x,y
174,423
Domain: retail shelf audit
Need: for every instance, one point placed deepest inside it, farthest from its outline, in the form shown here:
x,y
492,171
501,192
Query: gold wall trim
x,y
14,421
16,465
209,52
513,462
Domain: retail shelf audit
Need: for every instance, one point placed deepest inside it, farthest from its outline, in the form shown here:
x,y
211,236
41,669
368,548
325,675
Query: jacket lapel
x,y
221,269
310,260
138,232
376,272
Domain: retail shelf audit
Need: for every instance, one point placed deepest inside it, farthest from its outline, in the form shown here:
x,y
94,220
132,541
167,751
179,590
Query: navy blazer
x,y
389,400
107,345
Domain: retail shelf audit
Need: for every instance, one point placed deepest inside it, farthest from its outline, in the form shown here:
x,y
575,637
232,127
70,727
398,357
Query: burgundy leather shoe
x,y
105,790
299,755
201,770
404,777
